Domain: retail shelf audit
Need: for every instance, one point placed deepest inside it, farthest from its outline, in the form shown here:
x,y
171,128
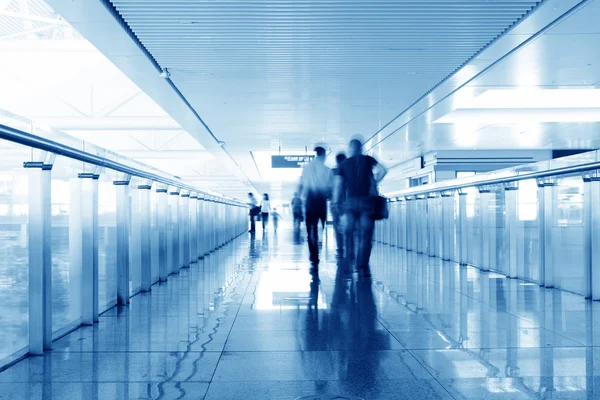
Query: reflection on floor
x,y
250,322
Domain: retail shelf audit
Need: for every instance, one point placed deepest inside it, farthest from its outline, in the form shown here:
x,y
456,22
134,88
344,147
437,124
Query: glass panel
x,y
14,256
154,234
528,231
455,233
568,234
66,262
135,272
497,207
107,241
474,226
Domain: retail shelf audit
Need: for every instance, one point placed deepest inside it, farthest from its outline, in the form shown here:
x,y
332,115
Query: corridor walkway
x,y
250,322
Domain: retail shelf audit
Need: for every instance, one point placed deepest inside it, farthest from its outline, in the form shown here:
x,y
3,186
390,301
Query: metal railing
x,y
580,163
57,142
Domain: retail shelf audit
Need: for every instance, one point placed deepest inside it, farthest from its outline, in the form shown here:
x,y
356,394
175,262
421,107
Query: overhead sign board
x,y
290,161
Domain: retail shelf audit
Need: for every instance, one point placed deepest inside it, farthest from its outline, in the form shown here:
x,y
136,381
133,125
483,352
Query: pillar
x,y
123,231
40,255
511,227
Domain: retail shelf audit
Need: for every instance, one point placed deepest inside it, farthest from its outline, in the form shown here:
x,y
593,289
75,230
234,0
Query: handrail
x,y
579,163
17,136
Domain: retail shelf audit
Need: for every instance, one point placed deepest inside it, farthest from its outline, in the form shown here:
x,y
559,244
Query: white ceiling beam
x,y
27,32
167,155
111,109
28,17
109,123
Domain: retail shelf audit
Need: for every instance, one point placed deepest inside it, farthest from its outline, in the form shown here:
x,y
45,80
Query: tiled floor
x,y
250,322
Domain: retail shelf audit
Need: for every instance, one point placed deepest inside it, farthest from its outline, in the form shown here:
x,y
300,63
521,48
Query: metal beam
x,y
29,17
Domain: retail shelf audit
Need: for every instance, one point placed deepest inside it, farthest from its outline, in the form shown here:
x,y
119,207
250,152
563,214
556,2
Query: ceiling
x,y
271,75
78,90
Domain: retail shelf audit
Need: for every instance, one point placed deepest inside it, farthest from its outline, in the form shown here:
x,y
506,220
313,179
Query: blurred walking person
x,y
275,215
360,174
316,186
265,209
297,212
254,211
337,206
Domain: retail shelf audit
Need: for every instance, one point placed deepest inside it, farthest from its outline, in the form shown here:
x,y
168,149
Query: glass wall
x,y
154,234
497,206
107,241
528,235
473,226
568,234
66,262
14,257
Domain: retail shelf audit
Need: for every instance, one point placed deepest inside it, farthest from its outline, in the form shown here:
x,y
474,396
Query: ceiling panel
x,y
307,69
273,74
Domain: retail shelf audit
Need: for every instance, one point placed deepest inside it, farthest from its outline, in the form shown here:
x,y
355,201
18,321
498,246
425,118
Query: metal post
x,y
410,227
432,227
546,223
184,229
123,230
40,255
144,240
591,181
594,199
193,242
89,247
202,226
484,212
448,224
511,227
403,224
463,236
173,231
162,204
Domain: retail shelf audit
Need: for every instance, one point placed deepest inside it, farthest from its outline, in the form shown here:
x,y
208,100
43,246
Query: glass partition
x,y
528,235
473,226
154,235
568,234
14,257
107,241
497,209
66,261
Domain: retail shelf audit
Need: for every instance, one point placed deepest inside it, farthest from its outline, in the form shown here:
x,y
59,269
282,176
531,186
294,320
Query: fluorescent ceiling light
x,y
527,106
520,116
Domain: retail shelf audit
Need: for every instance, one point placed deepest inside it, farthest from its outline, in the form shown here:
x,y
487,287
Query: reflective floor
x,y
251,322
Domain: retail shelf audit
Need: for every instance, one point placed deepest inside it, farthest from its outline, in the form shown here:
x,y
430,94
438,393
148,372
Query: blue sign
x,y
290,161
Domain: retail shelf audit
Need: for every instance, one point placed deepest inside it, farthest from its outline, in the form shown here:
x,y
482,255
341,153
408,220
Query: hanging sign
x,y
290,161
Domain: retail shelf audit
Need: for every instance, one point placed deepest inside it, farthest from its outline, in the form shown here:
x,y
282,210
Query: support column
x,y
202,226
448,225
432,226
40,253
546,226
193,242
144,238
173,231
484,195
591,222
123,231
184,229
511,227
403,224
411,234
89,246
463,235
162,204
594,233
